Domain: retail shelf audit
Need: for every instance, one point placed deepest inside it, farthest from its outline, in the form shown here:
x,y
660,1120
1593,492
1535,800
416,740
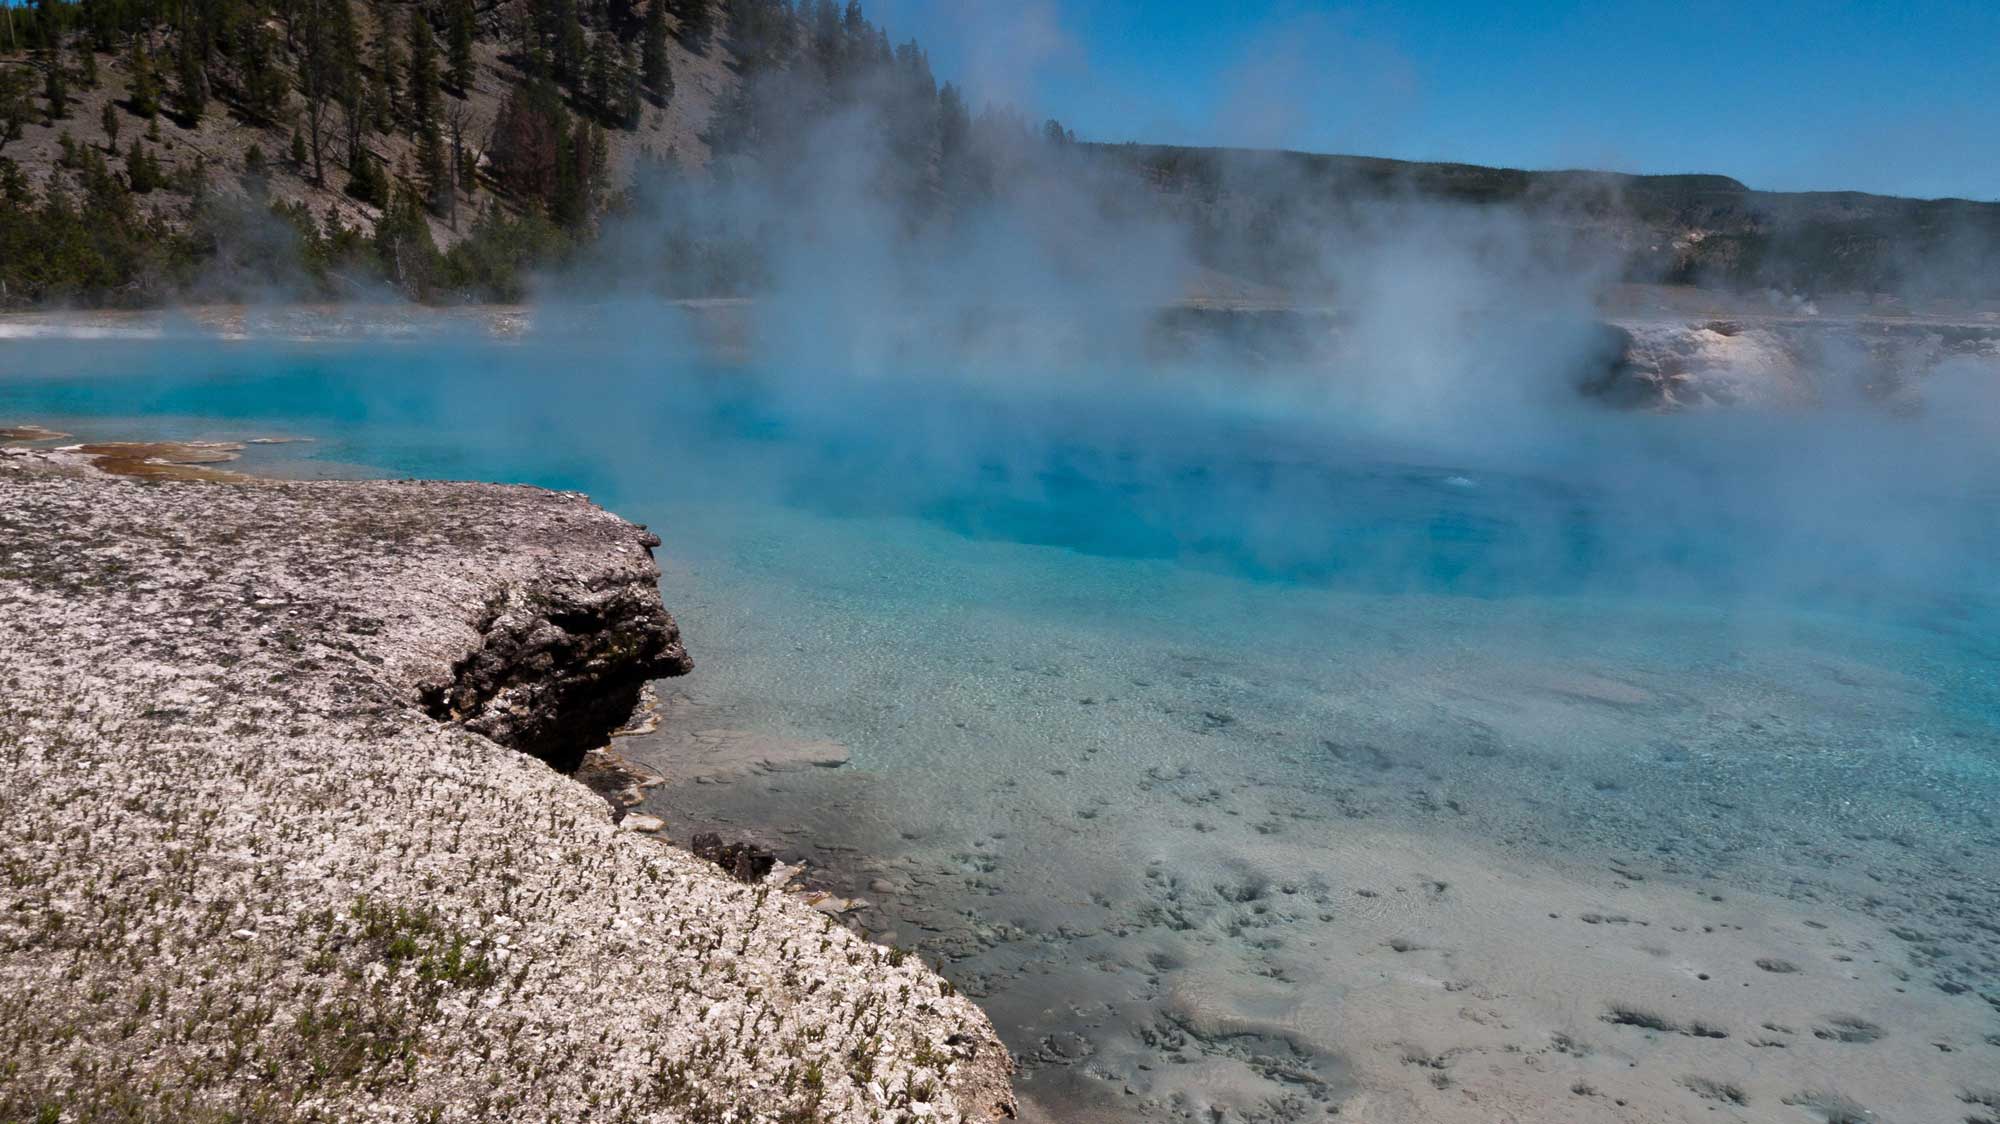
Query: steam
x,y
1043,348
1002,364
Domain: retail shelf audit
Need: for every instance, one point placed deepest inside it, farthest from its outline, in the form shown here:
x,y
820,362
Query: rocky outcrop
x,y
246,873
745,862
1666,364
560,664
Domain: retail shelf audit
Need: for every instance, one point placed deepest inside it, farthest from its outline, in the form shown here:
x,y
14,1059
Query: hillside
x,y
218,144
1249,208
147,150
448,149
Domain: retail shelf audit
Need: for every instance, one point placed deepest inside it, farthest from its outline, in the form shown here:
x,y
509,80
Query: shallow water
x,y
1250,756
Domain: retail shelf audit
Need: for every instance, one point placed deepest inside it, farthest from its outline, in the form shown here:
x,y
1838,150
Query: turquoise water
x,y
1113,653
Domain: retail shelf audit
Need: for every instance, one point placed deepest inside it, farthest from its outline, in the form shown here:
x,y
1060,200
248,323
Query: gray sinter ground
x,y
244,874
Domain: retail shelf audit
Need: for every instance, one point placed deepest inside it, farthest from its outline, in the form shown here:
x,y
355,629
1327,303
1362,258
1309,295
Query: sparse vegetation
x,y
1634,1016
1832,1107
1847,1028
336,906
1713,1090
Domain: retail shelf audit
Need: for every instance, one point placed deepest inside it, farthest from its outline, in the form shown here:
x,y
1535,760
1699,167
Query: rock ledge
x,y
245,873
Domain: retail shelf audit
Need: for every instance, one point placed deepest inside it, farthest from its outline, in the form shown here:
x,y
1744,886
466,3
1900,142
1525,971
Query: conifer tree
x,y
459,47
367,181
256,172
456,118
432,170
145,95
423,84
697,23
101,18
264,83
388,74
346,81
190,78
597,74
321,75
55,86
654,69
629,104
109,119
141,169
16,105
570,44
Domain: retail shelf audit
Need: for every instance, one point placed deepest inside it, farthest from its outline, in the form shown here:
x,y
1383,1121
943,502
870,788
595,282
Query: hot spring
x,y
1254,750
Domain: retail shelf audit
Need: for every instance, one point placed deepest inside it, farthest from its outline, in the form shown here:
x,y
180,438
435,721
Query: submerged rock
x,y
745,862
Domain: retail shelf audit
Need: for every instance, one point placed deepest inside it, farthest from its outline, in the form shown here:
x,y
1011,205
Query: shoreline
x,y
1654,348
252,658
1195,992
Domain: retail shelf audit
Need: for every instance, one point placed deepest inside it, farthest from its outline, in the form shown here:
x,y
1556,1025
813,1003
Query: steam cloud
x,y
1000,360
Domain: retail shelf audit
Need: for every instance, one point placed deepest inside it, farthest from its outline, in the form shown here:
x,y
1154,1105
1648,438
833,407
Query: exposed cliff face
x,y
1770,362
244,871
560,664
1665,362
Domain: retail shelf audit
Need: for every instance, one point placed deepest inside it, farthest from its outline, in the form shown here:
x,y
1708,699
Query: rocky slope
x,y
265,852
1784,361
1273,215
213,150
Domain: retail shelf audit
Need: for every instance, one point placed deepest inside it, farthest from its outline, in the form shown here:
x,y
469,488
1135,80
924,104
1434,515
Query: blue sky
x,y
1782,94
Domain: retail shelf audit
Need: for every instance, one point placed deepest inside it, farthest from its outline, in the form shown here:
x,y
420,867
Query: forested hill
x,y
316,148
452,149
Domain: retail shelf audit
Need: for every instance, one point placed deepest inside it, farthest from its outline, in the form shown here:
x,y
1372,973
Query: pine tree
x,y
825,37
403,243
16,106
954,128
570,45
145,96
697,23
190,79
621,17
367,181
322,74
264,84
600,159
460,47
55,86
456,118
629,106
101,18
256,172
388,69
346,81
141,170
109,119
655,71
423,85
432,170
597,75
